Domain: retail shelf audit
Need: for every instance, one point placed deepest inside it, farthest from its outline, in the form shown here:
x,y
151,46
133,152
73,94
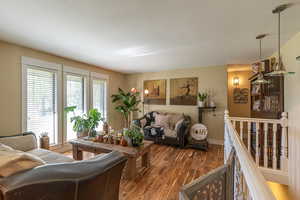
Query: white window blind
x,y
75,97
99,98
41,102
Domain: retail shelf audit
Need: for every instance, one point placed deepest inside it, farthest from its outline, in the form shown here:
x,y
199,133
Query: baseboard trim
x,y
215,141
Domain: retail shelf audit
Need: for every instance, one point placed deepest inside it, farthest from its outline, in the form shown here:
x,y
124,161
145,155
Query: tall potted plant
x,y
86,123
126,104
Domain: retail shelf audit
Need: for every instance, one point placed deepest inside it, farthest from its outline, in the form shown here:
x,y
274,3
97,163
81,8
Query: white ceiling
x,y
147,35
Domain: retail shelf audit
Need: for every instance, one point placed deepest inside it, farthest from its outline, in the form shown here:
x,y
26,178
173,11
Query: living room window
x,y
99,97
40,98
44,96
75,94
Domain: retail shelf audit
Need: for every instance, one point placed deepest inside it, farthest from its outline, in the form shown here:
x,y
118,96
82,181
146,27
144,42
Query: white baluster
x,y
266,145
241,130
234,124
284,142
274,146
249,136
227,146
257,144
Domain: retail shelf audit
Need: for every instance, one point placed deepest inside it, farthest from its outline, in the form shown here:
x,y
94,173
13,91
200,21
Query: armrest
x,y
23,142
183,130
96,170
141,122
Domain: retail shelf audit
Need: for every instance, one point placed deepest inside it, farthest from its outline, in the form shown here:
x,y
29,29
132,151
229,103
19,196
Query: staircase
x,y
255,150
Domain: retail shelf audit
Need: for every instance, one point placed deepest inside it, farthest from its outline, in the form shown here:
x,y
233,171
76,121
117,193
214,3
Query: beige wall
x,y
10,84
292,105
212,78
239,110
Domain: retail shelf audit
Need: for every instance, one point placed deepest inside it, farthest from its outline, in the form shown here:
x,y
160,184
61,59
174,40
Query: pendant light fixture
x,y
279,68
260,79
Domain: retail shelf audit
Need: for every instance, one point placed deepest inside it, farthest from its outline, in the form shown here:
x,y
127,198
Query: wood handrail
x,y
245,119
256,183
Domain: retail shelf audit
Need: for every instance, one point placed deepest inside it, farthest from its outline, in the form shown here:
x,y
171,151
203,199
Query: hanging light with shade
x,y
260,79
279,68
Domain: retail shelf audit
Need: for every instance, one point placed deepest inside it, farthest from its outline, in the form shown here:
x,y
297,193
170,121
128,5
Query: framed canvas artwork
x,y
183,91
240,96
155,92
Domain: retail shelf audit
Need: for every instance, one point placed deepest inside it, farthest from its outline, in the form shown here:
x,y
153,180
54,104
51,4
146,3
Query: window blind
x,y
75,97
41,102
99,98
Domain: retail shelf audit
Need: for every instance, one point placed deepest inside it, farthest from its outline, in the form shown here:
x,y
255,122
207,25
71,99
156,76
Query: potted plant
x,y
135,136
127,103
202,97
85,124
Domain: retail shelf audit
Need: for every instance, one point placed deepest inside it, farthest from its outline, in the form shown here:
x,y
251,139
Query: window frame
x,y
68,70
31,63
104,77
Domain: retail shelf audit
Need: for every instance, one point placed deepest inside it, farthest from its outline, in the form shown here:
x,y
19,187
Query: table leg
x,y
131,170
146,159
77,153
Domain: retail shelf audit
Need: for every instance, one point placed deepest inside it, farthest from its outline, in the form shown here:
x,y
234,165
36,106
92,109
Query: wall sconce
x,y
236,81
146,91
298,58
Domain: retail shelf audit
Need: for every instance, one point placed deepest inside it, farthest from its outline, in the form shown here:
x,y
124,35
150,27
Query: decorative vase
x,y
105,127
212,104
82,134
110,139
136,143
105,139
123,142
129,141
116,141
44,142
201,104
100,138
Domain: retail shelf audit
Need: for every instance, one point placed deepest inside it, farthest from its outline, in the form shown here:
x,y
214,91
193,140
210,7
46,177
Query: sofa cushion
x,y
22,143
14,161
162,121
50,157
170,133
173,119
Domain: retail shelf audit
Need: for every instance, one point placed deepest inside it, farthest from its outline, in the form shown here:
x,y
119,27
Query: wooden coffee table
x,y
132,153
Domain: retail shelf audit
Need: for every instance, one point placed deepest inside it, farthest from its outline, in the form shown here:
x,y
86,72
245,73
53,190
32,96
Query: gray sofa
x,y
62,178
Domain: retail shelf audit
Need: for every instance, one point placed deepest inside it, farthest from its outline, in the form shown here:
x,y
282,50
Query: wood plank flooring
x,y
170,169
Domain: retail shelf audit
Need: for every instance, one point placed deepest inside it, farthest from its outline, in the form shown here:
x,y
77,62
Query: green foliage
x,y
70,109
135,134
126,103
87,122
202,96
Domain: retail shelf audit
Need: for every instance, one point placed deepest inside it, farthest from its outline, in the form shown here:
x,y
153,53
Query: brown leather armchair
x,y
94,179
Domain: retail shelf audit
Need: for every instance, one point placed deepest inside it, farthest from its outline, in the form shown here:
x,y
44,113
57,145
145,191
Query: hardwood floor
x,y
170,169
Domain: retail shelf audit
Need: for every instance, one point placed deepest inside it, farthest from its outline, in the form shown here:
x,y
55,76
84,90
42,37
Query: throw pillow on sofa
x,y
14,161
162,120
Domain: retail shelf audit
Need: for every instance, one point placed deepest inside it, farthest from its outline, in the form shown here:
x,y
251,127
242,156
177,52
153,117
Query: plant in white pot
x,y
86,124
202,98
